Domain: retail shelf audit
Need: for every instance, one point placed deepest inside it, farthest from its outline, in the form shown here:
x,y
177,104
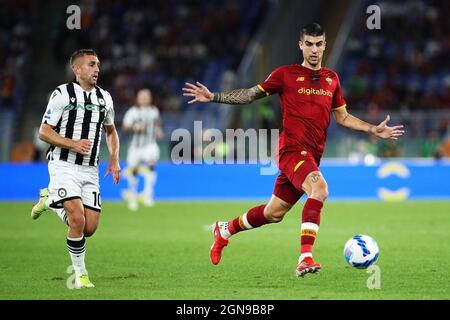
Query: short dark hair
x,y
312,29
81,53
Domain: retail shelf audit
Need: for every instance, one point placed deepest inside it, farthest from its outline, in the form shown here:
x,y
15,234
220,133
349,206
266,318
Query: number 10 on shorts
x,y
97,201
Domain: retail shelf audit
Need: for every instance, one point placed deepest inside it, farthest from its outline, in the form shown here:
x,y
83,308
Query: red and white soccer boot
x,y
306,266
219,243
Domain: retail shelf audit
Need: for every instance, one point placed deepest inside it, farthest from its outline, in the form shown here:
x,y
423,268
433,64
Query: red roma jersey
x,y
307,98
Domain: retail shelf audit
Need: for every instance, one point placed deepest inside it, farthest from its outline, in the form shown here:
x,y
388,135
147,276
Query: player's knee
x,y
75,216
77,221
320,193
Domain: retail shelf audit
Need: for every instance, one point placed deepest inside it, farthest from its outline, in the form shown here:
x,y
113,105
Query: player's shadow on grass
x,y
129,276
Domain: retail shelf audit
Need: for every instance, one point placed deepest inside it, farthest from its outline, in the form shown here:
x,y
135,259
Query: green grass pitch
x,y
163,253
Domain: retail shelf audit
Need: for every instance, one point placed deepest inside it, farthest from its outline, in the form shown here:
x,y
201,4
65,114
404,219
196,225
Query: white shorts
x,y
146,154
71,181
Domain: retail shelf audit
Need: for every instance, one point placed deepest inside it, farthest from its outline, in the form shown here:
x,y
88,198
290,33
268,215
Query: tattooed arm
x,y
239,96
200,93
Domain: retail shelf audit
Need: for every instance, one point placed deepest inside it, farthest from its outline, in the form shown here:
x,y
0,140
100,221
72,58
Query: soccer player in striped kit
x,y
76,115
143,121
309,94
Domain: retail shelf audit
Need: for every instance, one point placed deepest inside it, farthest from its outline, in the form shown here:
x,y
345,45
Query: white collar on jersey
x,y
76,82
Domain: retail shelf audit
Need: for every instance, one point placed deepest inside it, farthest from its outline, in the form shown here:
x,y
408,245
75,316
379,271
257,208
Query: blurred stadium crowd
x,y
162,44
15,51
402,68
404,65
16,21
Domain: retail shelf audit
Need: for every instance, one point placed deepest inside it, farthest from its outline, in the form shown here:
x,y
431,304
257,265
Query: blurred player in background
x,y
144,122
76,114
309,94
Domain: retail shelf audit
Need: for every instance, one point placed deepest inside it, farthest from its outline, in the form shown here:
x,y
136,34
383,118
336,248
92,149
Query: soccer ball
x,y
361,251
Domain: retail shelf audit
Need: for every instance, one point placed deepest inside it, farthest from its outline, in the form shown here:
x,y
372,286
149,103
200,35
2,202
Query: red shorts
x,y
294,167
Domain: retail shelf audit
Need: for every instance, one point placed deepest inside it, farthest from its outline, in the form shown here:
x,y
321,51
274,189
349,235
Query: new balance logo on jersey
x,y
89,107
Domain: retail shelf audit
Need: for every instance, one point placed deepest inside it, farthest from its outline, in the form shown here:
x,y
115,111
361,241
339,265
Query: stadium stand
x,y
405,64
402,68
16,23
162,44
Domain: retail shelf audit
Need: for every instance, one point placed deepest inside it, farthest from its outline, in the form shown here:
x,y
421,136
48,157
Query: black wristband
x,y
215,97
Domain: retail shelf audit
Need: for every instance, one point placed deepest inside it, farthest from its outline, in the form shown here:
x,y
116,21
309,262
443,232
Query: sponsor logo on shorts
x,y
62,192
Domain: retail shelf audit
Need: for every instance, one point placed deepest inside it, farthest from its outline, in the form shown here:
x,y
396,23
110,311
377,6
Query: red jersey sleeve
x,y
274,82
338,99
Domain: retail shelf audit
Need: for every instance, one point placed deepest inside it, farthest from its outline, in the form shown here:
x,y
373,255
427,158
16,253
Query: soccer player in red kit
x,y
308,93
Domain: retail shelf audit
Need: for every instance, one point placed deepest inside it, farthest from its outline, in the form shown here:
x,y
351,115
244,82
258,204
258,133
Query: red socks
x,y
254,218
310,226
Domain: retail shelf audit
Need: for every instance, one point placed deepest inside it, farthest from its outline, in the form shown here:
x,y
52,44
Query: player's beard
x,y
316,62
94,80
89,80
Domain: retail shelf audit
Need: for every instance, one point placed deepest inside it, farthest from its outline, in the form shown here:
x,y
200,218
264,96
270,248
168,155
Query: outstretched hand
x,y
199,92
114,169
384,131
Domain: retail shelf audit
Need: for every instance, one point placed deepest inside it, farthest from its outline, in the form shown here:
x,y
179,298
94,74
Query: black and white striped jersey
x,y
78,114
145,116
